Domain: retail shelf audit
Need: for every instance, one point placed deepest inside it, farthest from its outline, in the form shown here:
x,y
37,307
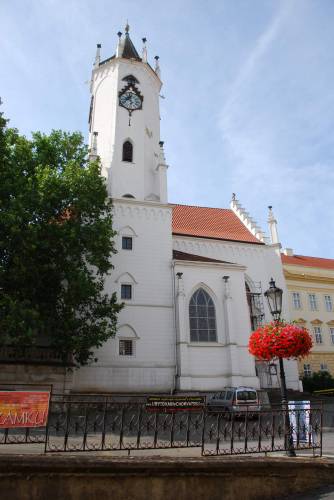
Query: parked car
x,y
235,400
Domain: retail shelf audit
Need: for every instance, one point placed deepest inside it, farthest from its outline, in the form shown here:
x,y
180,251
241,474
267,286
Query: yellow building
x,y
310,284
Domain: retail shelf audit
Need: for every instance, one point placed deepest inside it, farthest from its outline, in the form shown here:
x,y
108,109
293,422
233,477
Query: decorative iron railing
x,y
263,432
78,426
92,426
33,354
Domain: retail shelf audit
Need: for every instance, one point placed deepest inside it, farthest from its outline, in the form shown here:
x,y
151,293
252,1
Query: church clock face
x,y
130,100
130,97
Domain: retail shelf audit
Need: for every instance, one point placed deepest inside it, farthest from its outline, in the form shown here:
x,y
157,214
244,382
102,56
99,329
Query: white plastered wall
x,y
213,365
150,313
261,262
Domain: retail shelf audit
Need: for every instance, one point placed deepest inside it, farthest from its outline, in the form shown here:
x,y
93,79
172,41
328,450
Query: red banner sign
x,y
23,409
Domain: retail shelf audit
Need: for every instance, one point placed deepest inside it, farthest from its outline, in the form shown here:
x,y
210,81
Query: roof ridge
x,y
199,206
307,256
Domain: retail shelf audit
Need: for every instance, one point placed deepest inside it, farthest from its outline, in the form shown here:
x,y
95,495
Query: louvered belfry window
x,y
127,151
202,317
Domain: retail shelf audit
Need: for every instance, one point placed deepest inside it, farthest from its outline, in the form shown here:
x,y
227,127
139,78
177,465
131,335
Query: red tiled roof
x,y
217,223
303,260
177,255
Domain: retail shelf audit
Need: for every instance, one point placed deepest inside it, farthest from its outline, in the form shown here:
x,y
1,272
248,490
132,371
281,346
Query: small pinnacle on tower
x,y
127,27
272,226
144,51
93,150
119,48
157,67
97,55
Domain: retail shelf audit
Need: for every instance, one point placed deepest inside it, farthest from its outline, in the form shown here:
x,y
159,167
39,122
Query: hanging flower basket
x,y
280,340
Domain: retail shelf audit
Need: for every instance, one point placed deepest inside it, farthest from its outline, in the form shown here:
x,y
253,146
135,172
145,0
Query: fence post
x,y
103,441
139,427
246,431
85,429
121,430
232,432
203,429
68,414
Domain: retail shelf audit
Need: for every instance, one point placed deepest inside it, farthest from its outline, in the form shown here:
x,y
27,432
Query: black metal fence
x,y
267,431
93,426
77,425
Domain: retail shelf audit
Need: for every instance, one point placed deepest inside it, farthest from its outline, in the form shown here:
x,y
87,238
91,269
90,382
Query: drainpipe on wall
x,y
176,370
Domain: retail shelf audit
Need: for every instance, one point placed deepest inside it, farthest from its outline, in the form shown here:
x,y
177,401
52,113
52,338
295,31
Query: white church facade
x,y
191,278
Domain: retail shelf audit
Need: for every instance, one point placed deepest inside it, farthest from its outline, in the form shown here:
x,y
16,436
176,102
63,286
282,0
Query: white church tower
x,y
124,123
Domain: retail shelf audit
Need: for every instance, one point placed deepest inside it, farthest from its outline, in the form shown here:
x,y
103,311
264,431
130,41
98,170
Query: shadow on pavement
x,y
324,493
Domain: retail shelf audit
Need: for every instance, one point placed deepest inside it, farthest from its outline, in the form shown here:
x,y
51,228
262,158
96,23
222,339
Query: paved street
x,y
328,450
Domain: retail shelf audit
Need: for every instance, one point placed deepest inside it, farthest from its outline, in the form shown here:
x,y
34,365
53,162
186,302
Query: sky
x,y
248,87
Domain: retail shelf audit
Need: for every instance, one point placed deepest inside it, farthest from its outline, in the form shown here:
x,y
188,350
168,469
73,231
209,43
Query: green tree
x,y
56,243
317,381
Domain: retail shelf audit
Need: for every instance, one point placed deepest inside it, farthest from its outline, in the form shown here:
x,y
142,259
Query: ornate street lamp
x,y
274,299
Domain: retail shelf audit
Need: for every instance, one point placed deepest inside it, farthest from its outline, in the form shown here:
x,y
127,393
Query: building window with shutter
x,y
296,300
313,302
328,303
126,347
317,334
331,332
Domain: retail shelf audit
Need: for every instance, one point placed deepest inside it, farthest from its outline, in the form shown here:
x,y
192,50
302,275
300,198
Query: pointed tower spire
x,y
129,50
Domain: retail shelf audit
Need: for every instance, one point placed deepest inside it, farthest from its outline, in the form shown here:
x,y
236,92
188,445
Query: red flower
x,y
280,340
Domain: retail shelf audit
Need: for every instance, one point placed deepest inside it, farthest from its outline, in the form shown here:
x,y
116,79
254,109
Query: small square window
x,y
323,367
126,347
126,243
126,292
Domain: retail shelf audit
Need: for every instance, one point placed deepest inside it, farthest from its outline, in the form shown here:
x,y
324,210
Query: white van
x,y
235,399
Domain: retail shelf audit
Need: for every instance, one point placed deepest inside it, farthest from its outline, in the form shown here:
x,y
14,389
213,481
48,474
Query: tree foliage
x,y
317,381
56,242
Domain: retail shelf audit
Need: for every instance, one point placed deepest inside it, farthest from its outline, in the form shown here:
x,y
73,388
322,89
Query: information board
x,y
171,404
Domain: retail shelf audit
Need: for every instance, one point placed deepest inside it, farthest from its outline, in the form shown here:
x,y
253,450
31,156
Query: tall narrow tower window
x,y
127,151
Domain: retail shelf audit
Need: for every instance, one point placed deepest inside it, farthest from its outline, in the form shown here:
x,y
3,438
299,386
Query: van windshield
x,y
246,396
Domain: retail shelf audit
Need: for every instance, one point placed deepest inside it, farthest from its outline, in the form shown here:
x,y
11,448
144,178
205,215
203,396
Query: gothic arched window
x,y
127,151
202,317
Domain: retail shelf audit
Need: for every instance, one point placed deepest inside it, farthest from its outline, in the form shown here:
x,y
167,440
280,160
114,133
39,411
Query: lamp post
x,y
274,298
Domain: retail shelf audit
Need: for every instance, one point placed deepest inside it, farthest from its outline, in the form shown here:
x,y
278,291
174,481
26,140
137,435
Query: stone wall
x,y
31,477
16,375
